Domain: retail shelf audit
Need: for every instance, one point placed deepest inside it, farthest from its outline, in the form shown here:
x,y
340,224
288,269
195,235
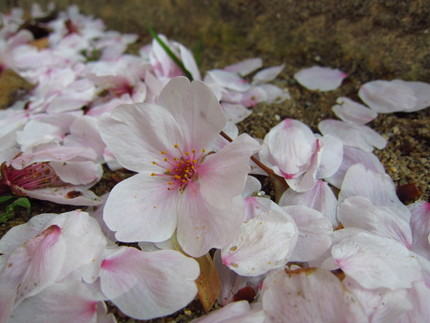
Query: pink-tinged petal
x,y
201,226
36,264
189,62
309,295
353,112
422,92
78,173
376,262
420,226
273,94
381,305
84,132
97,213
19,234
141,208
245,67
69,301
38,133
69,195
358,212
377,187
252,186
256,206
317,78
304,182
261,244
196,111
7,300
331,156
355,135
237,312
84,239
351,156
228,80
11,120
231,282
145,285
419,294
229,165
266,75
289,146
314,233
235,113
230,130
387,96
55,153
320,198
137,134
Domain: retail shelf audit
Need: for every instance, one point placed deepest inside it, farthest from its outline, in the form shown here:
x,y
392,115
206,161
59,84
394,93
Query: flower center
x,y
34,176
181,167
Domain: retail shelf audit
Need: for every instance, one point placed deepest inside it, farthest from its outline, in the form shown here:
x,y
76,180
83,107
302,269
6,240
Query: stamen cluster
x,y
180,168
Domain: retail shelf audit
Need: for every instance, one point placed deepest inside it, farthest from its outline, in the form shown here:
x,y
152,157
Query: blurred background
x,y
384,38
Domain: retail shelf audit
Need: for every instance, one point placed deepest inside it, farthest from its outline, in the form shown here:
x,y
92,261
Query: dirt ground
x,y
367,39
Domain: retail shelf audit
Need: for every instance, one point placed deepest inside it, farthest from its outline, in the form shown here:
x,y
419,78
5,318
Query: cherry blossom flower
x,y
295,153
65,257
55,175
180,184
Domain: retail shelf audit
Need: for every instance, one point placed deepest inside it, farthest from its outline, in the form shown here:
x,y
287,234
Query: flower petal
x,y
317,78
245,67
262,244
376,262
201,226
140,208
196,111
69,301
358,212
237,312
145,285
377,187
314,233
387,96
350,111
355,135
420,225
136,134
229,165
320,198
309,295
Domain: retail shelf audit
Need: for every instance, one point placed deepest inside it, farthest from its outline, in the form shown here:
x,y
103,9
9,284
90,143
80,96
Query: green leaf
x,y
170,53
23,202
10,209
6,198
